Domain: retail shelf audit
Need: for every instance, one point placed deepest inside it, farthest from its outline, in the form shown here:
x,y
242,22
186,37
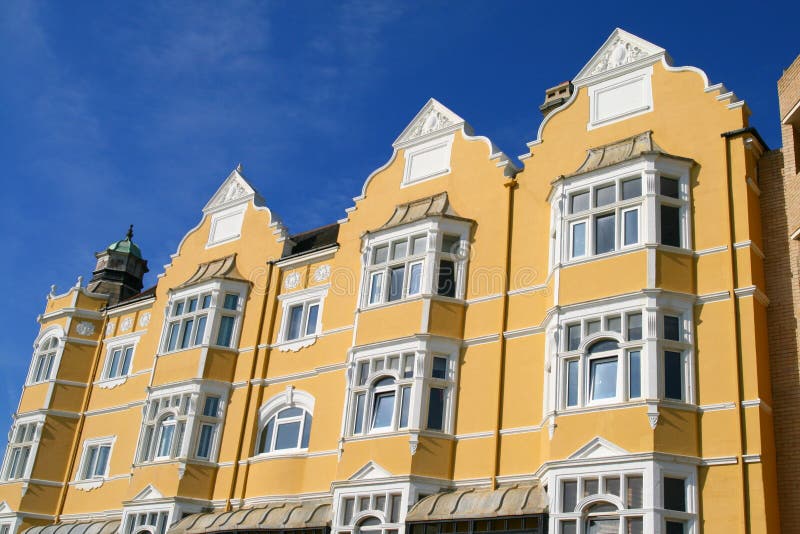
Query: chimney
x,y
555,96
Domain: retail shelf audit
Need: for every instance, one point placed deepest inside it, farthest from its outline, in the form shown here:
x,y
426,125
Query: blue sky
x,y
116,113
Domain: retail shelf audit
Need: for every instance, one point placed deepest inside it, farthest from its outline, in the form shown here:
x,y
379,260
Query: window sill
x,y
283,453
414,298
194,347
88,485
584,259
399,433
297,344
111,383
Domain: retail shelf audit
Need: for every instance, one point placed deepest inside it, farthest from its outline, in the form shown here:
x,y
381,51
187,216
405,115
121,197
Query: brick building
x,y
779,182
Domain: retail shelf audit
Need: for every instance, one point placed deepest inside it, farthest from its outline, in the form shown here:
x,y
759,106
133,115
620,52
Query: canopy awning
x,y
273,516
83,527
474,503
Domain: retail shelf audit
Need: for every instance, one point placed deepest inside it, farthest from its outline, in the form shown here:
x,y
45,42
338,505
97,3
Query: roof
x,y
126,246
432,206
85,527
150,292
224,268
623,150
315,239
473,503
284,515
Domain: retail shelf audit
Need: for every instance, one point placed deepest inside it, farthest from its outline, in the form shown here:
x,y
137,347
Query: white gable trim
x,y
598,448
433,120
234,190
622,52
150,493
370,471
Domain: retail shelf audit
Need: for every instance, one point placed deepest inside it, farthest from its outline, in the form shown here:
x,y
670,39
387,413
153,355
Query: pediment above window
x,y
598,448
370,471
150,493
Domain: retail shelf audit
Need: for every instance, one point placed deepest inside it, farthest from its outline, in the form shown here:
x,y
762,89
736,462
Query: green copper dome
x,y
126,246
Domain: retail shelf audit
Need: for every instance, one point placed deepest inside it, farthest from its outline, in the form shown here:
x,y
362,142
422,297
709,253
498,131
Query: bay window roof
x,y
284,515
473,503
221,268
437,205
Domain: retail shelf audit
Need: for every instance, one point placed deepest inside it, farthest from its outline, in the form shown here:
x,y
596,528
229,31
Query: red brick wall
x,y
780,207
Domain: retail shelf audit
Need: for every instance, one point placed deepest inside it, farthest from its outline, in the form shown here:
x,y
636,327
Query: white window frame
x,y
97,443
185,405
290,398
47,335
435,229
217,290
30,442
307,298
649,168
651,347
376,361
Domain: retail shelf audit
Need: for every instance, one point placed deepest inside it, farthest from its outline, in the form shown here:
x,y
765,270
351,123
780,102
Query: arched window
x,y
166,435
288,429
285,422
43,360
383,403
603,370
602,518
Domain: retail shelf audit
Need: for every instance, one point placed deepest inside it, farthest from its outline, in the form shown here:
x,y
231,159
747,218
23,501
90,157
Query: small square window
x,y
381,254
605,195
439,367
573,336
451,243
634,326
672,328
675,494
579,202
670,187
631,188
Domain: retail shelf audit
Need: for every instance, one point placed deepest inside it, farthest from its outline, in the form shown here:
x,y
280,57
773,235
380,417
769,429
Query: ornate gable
x,y
433,119
234,190
622,51
149,493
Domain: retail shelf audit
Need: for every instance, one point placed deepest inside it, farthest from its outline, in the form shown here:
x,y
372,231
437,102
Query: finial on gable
x,y
239,168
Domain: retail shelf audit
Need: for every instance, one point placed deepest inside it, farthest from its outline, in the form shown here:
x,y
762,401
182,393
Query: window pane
x,y
206,301
363,373
604,233
635,374
603,526
451,243
603,378
592,327
313,316
634,493
113,369
295,322
192,304
211,407
381,254
672,328
578,240
231,301
574,336
674,494
446,284
612,486
399,249
405,400
569,495
415,282
178,308
572,383
591,486
102,460
396,276
631,236
670,225
635,525
376,285
288,436
88,469
408,366
419,244
306,430
358,424
173,336
396,504
384,410
225,331
126,362
673,374
439,367
165,443
602,346
265,444
631,188
568,527
614,324
186,338
201,330
669,187
204,442
579,202
436,409
634,326
676,527
605,195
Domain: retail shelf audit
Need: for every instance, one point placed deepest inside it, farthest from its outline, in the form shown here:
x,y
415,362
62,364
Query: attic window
x,y
226,225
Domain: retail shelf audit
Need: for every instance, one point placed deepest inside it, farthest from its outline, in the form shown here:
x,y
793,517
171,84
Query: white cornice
x,y
70,312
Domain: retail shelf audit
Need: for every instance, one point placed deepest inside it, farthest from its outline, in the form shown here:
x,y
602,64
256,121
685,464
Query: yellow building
x,y
577,346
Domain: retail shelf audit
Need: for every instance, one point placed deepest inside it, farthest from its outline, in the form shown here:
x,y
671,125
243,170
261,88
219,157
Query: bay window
x,y
21,449
389,393
44,360
427,259
209,315
614,209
